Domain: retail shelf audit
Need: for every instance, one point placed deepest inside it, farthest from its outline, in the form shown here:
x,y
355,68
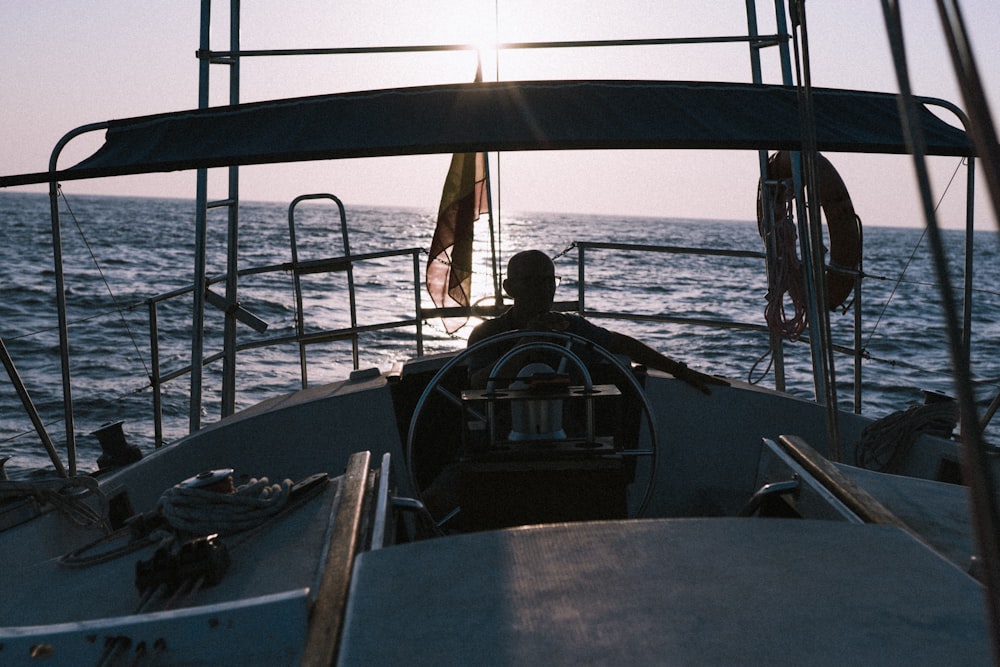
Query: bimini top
x,y
505,116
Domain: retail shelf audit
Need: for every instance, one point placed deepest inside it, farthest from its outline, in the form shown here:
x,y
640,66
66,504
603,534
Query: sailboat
x,y
600,512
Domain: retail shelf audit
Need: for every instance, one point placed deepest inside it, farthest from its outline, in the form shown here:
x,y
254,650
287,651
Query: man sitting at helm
x,y
532,284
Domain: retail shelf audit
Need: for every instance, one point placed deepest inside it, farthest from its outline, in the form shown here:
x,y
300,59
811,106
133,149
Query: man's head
x,y
531,281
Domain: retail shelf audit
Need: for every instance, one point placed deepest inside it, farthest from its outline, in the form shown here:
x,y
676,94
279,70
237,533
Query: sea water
x,y
119,252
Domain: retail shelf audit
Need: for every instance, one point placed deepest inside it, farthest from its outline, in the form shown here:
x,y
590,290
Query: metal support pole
x,y
201,240
300,324
824,375
416,304
154,377
63,324
970,198
232,240
29,407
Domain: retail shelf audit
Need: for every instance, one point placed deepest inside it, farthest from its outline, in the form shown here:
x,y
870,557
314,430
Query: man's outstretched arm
x,y
641,353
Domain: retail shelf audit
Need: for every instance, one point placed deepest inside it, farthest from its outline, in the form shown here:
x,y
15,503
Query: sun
x,y
479,36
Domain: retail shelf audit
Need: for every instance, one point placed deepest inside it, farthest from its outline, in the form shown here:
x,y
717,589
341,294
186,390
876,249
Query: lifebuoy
x,y
843,224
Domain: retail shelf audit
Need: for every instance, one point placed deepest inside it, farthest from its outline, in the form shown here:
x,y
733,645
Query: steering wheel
x,y
538,341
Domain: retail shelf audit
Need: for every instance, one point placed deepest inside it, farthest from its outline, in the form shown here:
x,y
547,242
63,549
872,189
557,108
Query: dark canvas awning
x,y
505,116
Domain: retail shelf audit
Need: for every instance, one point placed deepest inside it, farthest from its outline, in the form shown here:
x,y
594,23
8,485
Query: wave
x,y
135,248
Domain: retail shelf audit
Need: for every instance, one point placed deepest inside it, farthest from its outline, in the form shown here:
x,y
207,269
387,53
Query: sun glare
x,y
477,32
485,49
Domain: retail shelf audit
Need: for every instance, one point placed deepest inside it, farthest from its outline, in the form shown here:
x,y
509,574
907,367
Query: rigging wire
x,y
88,318
111,293
925,283
975,464
96,316
909,260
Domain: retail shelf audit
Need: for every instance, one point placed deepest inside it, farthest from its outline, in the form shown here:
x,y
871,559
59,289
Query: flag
x,y
449,267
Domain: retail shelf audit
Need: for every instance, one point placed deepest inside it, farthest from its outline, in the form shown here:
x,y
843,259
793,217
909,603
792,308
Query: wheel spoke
x,y
554,342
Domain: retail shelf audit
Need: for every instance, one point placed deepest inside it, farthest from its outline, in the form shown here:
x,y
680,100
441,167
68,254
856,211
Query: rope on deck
x,y
886,441
201,512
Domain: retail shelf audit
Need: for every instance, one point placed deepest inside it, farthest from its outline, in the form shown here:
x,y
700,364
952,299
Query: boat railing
x,y
345,263
855,351
584,246
300,337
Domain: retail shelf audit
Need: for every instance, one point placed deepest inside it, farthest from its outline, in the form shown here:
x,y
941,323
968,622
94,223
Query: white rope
x,y
203,512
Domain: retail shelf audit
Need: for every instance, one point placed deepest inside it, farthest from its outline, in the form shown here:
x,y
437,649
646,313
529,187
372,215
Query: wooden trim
x,y
326,618
859,501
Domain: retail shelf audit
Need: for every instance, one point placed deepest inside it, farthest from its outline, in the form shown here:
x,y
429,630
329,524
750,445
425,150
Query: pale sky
x,y
65,63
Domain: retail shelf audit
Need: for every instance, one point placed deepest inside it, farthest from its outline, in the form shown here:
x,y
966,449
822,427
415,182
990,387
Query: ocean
x,y
121,251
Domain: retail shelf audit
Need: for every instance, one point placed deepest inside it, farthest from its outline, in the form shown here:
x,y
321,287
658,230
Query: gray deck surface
x,y
46,592
698,591
937,511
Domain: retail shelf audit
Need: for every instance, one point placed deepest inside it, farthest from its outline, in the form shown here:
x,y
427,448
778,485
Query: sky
x,y
66,63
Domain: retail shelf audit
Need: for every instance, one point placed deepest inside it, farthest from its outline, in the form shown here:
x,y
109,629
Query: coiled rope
x,y
886,441
202,512
788,272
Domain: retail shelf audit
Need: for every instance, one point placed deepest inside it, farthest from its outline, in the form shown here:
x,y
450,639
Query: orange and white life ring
x,y
843,224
